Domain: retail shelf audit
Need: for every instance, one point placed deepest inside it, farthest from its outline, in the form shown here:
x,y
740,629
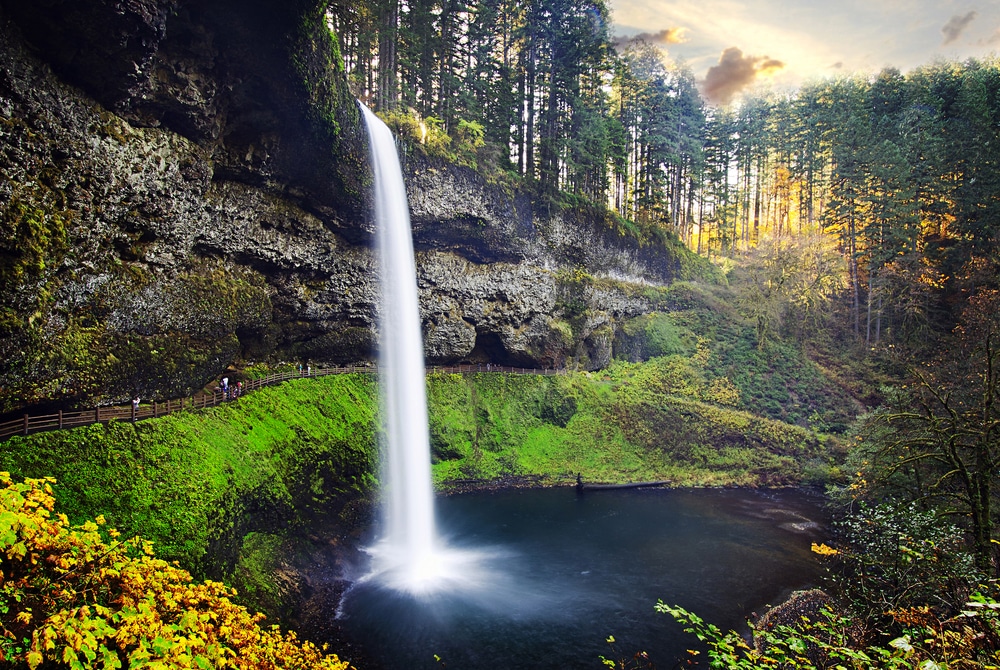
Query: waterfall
x,y
408,556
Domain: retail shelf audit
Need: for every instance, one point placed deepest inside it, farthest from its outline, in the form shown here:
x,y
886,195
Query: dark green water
x,y
555,573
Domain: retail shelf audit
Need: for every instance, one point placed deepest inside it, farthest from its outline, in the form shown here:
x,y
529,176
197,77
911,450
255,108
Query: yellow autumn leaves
x,y
823,550
69,597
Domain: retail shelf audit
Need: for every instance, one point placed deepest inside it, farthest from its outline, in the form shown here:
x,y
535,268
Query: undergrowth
x,y
777,381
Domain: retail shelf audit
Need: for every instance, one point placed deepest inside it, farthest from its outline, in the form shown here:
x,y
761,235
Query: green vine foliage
x,y
33,241
464,144
32,234
317,60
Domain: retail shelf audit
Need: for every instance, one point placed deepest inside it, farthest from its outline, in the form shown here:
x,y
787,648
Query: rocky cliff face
x,y
184,185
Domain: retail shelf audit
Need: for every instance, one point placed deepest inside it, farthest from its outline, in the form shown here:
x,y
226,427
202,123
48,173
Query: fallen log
x,y
581,486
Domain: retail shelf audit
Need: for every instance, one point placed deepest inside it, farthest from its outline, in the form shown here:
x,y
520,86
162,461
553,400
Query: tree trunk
x,y
855,280
387,39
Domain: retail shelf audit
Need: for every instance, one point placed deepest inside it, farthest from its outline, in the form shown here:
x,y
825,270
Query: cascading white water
x,y
409,542
410,556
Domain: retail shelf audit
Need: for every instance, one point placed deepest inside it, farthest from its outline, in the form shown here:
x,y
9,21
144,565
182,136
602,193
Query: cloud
x,y
839,65
667,36
664,37
734,73
956,26
995,38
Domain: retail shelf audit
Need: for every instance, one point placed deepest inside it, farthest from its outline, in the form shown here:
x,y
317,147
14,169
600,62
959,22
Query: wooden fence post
x,y
60,419
25,424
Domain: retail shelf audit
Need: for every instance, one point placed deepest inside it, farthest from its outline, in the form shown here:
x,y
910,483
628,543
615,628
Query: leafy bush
x,y
901,557
403,125
970,640
470,136
71,598
463,144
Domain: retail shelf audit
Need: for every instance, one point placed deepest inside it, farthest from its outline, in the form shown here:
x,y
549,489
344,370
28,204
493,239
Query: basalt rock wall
x,y
184,186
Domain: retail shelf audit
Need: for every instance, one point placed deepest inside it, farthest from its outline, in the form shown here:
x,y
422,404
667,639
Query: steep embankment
x,y
607,430
205,485
709,408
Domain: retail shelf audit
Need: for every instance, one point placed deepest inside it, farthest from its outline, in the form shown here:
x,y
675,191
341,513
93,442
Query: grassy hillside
x,y
613,426
197,482
779,381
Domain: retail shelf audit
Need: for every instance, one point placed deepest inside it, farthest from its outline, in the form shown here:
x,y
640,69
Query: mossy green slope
x,y
779,381
608,427
196,482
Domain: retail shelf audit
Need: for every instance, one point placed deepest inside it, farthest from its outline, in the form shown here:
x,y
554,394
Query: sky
x,y
735,46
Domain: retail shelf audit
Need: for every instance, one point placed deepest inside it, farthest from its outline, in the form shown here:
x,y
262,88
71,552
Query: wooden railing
x,y
28,424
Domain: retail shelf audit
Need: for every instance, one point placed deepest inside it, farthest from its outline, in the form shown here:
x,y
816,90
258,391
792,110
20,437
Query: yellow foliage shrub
x,y
71,598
